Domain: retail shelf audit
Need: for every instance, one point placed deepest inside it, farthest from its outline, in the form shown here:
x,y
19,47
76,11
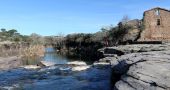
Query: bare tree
x,y
36,39
125,19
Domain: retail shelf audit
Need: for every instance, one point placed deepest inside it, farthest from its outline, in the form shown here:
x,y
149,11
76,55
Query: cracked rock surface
x,y
134,48
142,71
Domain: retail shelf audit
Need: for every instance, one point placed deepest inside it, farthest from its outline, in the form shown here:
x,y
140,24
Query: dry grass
x,y
22,51
7,52
32,51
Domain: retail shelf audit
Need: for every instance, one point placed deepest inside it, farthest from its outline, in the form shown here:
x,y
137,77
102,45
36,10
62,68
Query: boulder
x,y
132,35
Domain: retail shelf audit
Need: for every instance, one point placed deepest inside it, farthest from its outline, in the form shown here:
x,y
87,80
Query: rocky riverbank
x,y
140,67
10,62
144,67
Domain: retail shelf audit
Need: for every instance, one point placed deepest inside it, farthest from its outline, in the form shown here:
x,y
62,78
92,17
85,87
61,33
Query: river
x,y
53,78
51,55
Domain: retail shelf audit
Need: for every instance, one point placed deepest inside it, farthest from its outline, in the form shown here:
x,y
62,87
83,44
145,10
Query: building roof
x,y
158,8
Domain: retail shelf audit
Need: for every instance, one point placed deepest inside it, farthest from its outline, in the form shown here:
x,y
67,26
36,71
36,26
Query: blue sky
x,y
50,17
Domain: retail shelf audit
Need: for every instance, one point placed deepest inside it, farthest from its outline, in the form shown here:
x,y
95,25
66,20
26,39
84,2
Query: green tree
x,y
12,32
3,30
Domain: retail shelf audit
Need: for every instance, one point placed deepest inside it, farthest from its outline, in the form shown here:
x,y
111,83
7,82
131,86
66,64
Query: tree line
x,y
81,44
86,45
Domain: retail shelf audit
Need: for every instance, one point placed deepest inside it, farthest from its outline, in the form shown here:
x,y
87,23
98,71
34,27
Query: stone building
x,y
156,23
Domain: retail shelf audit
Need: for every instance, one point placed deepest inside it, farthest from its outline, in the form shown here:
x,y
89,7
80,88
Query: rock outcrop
x,y
9,63
134,48
134,33
142,67
142,71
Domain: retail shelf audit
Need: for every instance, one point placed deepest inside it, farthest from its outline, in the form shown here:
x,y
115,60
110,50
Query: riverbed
x,y
59,76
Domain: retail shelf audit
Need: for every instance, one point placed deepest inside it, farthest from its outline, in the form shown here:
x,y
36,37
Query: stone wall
x,y
156,25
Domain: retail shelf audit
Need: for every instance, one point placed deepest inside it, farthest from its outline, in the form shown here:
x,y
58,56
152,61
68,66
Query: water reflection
x,y
31,60
51,55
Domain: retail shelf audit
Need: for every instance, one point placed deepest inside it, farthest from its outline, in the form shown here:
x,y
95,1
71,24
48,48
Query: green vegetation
x,y
108,36
13,43
80,45
85,46
12,35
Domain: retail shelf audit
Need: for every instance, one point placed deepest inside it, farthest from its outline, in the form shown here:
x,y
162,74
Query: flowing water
x,y
52,78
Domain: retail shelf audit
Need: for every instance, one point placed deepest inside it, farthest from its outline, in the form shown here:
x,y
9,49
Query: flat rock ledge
x,y
141,71
134,48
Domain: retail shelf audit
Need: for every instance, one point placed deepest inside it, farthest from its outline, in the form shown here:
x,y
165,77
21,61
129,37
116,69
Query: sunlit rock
x,y
47,63
49,68
134,48
9,63
101,63
31,67
80,68
143,71
77,63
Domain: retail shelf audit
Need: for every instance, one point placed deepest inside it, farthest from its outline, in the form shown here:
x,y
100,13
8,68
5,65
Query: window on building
x,y
158,22
157,12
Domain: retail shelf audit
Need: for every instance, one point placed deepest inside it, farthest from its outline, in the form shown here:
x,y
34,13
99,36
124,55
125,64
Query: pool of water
x,y
50,55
